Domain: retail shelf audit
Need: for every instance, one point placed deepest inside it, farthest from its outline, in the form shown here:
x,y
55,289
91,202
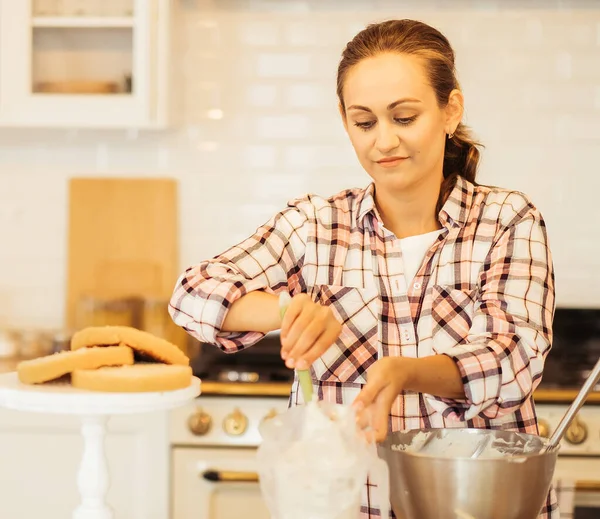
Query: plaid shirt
x,y
484,295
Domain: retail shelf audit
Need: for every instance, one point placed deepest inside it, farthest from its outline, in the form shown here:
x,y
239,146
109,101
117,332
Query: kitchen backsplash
x,y
256,123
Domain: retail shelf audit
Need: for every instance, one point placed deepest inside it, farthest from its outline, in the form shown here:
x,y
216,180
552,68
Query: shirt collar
x,y
367,204
454,211
456,208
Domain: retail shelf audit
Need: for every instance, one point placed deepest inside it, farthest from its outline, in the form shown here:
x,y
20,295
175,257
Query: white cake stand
x,y
94,408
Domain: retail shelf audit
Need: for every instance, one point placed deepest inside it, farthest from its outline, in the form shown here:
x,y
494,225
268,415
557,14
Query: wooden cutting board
x,y
122,241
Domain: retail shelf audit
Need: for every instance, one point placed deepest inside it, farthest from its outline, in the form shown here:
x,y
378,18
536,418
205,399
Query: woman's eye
x,y
405,121
366,125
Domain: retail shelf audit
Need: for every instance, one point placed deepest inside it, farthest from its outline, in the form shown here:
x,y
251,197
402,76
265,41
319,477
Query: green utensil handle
x,y
303,374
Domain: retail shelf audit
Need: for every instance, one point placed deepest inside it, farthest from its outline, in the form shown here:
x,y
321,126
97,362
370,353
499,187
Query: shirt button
x,y
417,286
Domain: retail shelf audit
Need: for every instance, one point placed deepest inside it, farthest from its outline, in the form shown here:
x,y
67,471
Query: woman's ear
x,y
454,110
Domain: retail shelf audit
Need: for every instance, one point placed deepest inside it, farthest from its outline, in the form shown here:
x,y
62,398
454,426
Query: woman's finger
x,y
369,392
381,412
307,340
289,326
322,344
314,334
364,419
302,323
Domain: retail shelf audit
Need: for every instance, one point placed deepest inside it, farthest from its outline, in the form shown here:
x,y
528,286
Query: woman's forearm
x,y
437,375
255,312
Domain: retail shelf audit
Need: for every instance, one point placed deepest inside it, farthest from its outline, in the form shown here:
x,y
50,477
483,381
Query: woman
x,y
424,297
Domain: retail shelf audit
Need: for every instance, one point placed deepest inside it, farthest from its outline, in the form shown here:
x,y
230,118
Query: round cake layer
x,y
136,378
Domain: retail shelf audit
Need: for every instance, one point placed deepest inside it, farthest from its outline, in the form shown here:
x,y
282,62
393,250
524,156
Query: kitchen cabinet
x,y
40,455
84,63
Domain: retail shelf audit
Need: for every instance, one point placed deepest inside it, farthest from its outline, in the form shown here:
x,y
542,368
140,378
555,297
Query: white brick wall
x,y
255,87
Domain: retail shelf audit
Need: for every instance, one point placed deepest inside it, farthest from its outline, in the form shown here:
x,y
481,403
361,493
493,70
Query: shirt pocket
x,y
356,349
452,313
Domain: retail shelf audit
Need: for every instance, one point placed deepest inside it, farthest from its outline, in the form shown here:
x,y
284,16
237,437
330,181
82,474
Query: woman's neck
x,y
409,213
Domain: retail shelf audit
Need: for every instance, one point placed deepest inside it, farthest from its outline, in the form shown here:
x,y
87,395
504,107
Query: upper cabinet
x,y
84,63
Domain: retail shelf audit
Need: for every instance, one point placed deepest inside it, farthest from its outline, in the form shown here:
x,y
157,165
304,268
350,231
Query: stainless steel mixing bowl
x,y
448,483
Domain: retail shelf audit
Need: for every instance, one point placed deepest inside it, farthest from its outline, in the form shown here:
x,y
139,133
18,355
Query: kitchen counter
x,y
563,396
242,389
542,395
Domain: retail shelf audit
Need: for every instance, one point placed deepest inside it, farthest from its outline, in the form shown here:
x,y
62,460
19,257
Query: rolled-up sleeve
x,y
502,360
269,260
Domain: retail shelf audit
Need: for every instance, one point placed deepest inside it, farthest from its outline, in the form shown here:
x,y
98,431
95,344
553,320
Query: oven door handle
x,y
587,486
229,476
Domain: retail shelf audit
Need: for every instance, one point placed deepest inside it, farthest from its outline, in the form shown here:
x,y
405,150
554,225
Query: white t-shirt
x,y
414,249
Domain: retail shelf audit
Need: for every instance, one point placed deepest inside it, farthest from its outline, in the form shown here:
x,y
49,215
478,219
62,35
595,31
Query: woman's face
x,y
394,122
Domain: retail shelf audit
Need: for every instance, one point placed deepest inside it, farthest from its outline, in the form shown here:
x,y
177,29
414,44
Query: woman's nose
x,y
387,139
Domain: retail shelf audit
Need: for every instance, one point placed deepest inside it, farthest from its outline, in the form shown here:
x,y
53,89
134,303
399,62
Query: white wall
x,y
531,77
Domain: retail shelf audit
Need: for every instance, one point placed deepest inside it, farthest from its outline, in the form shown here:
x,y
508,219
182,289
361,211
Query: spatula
x,y
303,374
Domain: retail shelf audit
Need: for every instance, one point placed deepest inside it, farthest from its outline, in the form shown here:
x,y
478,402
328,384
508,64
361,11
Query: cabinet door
x,y
81,66
40,456
194,497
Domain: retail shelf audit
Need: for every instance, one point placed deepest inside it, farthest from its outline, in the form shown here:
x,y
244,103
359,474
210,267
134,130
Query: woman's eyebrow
x,y
391,106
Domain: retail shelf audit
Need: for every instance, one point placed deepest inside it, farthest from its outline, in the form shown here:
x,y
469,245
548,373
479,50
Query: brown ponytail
x,y
461,156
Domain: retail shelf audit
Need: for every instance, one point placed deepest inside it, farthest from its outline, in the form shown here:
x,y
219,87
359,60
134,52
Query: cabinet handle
x,y
587,486
229,476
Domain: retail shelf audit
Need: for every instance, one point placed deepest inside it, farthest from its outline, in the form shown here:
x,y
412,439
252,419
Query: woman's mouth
x,y
390,162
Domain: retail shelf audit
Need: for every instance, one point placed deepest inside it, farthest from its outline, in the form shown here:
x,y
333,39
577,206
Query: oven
x,y
575,350
213,457
584,475
578,466
214,439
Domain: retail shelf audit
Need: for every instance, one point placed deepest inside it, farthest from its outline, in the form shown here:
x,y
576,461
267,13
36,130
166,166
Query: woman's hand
x,y
308,329
435,375
385,381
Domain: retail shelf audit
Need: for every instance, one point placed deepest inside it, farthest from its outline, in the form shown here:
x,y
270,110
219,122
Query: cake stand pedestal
x,y
94,409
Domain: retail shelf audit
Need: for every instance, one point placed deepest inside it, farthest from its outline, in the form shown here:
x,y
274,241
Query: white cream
x,y
465,445
320,475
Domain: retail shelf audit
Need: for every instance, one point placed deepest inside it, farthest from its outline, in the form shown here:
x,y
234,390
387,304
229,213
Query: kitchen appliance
x,y
214,440
213,456
575,350
567,420
448,482
241,373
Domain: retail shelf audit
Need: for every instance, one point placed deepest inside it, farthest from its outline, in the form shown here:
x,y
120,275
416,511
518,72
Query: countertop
x,y
542,395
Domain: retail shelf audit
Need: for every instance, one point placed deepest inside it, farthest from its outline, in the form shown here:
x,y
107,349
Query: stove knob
x,y
577,432
544,428
200,422
236,423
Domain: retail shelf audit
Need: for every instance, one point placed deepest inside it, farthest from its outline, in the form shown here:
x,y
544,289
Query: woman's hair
x,y
461,155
